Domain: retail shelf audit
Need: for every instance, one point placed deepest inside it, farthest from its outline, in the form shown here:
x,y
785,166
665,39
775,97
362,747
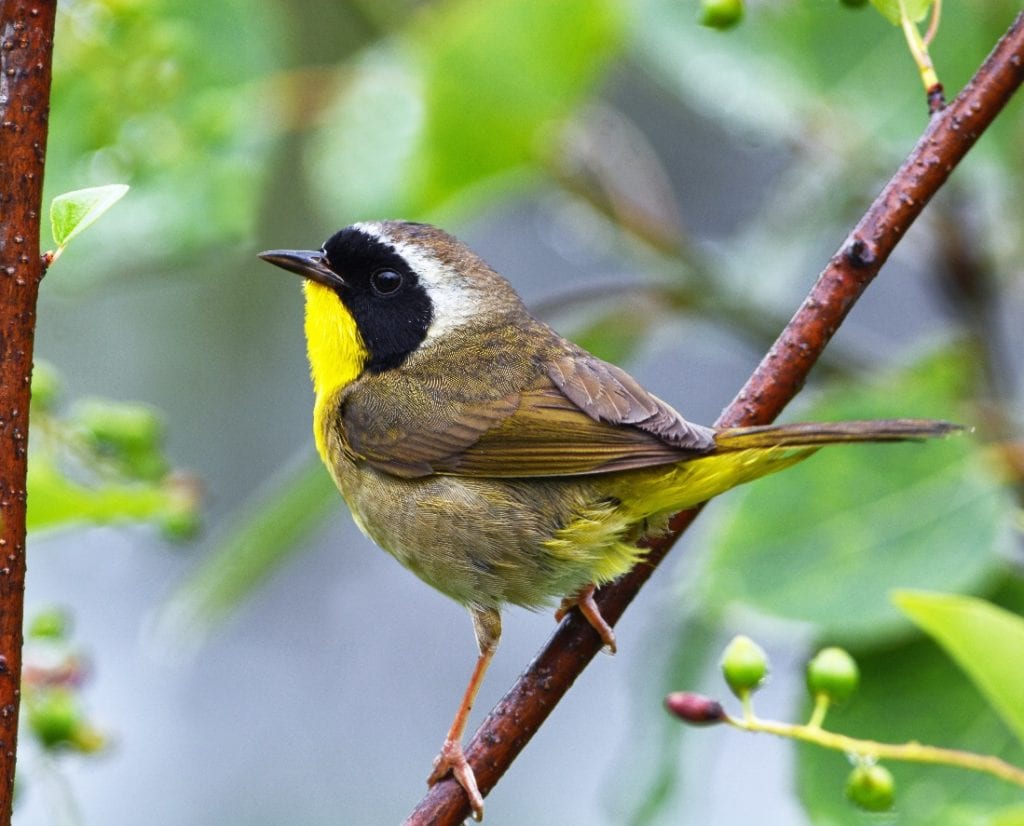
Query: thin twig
x,y
911,752
933,23
777,379
26,31
919,50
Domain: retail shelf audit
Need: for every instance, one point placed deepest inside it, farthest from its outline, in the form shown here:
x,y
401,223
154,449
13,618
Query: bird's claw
x,y
585,601
453,760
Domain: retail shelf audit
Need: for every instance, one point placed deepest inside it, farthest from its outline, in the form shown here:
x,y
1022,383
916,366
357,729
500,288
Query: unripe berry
x,y
51,624
871,787
744,665
87,740
54,717
833,673
180,522
720,14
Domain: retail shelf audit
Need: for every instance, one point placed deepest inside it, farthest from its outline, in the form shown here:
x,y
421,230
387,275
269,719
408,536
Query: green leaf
x,y
986,641
72,212
825,542
890,9
265,534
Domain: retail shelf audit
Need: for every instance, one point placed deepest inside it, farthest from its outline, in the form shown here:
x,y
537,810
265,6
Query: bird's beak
x,y
307,263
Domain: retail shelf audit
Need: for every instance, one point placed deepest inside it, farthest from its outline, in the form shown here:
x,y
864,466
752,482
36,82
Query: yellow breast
x,y
336,352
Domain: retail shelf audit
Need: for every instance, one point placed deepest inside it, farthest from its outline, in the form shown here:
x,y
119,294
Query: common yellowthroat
x,y
495,459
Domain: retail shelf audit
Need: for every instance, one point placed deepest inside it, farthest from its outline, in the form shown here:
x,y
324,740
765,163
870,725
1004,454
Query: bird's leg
x,y
584,600
487,625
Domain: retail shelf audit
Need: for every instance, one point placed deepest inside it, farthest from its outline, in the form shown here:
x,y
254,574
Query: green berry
x,y
871,787
54,717
87,740
720,14
45,385
180,523
833,673
744,665
51,624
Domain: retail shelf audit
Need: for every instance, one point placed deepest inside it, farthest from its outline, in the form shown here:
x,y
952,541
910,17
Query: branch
x,y
777,379
26,48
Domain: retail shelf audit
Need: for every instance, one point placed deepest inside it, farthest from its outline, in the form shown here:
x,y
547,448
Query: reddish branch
x,y
26,47
777,379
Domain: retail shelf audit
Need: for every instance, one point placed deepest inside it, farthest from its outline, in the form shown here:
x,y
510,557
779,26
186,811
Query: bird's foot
x,y
452,759
584,600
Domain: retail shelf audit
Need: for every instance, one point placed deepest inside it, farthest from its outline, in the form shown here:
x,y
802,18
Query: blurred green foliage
x,y
165,96
465,95
103,462
53,677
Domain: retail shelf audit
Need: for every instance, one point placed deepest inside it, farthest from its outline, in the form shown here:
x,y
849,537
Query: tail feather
x,y
810,434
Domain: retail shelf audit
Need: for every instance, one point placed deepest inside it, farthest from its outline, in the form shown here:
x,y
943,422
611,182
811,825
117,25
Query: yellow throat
x,y
336,353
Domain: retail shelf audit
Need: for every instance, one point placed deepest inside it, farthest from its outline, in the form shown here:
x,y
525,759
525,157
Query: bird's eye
x,y
386,282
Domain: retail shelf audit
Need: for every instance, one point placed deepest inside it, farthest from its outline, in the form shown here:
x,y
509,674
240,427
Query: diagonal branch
x,y
26,47
777,379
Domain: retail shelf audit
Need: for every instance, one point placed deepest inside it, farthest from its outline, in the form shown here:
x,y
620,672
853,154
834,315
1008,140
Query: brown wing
x,y
549,435
609,394
584,417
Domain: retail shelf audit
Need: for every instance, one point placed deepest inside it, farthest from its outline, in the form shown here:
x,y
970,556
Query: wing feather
x,y
549,435
609,394
582,416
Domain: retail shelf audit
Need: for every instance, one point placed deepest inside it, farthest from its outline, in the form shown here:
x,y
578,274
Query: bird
x,y
495,459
